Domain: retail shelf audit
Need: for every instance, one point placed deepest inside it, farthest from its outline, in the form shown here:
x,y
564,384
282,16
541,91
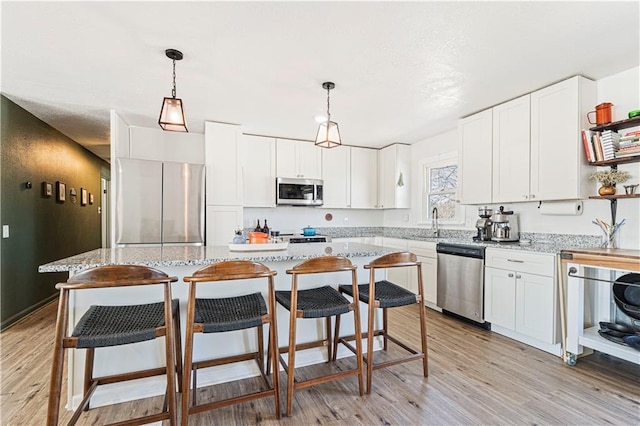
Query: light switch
x,y
5,231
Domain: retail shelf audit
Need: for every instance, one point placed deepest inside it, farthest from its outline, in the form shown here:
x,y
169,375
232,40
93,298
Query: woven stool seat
x,y
316,302
388,294
230,313
104,326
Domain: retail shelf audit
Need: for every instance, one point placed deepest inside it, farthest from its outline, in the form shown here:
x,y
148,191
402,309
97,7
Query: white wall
x,y
624,92
287,219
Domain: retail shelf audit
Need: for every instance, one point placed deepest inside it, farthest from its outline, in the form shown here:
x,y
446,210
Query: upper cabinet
x,y
222,161
336,172
535,152
475,157
364,176
295,159
394,172
259,171
558,165
510,148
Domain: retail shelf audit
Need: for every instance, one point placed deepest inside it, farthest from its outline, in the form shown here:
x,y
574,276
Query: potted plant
x,y
608,179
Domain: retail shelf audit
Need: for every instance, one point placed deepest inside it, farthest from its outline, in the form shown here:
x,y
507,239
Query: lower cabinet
x,y
426,253
520,294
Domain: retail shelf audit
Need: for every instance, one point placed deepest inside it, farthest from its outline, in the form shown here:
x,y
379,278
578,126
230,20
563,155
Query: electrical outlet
x,y
5,231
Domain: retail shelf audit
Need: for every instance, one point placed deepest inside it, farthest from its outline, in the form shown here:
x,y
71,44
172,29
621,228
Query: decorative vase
x,y
607,190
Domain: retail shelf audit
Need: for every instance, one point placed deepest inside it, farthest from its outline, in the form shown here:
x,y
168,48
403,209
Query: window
x,y
440,183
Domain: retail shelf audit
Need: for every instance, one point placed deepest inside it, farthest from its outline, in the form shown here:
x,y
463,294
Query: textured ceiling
x,y
404,71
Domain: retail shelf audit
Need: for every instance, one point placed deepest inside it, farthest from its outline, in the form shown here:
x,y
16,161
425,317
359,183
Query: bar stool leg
x,y
385,323
88,372
58,361
170,360
329,340
188,356
423,326
357,327
260,354
178,345
336,338
291,359
371,319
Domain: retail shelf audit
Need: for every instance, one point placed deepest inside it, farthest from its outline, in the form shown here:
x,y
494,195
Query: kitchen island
x,y
183,261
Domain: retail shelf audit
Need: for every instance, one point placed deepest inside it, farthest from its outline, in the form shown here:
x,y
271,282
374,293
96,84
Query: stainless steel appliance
x,y
484,224
505,226
461,281
159,203
298,192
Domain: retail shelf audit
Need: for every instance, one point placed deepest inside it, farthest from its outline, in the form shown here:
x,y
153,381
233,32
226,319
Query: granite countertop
x,y
163,256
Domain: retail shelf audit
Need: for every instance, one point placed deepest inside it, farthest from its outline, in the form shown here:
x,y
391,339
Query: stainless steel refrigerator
x,y
159,203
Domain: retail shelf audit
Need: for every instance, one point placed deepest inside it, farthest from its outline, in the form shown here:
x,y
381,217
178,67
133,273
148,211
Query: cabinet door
x,y
558,114
535,309
475,158
364,175
386,170
511,141
259,171
398,276
500,297
336,163
429,279
222,159
309,160
221,223
286,159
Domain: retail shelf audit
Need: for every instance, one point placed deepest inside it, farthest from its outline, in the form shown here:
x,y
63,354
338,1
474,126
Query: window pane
x,y
445,203
443,178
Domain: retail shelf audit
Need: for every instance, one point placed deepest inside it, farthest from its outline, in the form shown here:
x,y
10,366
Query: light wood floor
x,y
476,377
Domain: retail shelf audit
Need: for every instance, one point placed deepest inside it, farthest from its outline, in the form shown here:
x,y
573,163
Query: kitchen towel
x,y
561,208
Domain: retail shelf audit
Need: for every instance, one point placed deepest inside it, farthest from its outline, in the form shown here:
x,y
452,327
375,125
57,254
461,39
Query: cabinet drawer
x,y
423,248
533,263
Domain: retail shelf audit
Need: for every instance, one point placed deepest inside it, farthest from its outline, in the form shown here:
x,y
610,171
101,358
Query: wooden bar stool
x,y
319,302
389,295
230,314
105,326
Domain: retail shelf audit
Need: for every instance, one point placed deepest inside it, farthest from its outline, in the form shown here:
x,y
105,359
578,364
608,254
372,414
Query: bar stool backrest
x,y
393,260
116,276
322,264
231,270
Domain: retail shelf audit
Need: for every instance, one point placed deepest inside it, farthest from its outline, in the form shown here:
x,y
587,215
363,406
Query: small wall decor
x,y
47,189
90,198
61,191
83,197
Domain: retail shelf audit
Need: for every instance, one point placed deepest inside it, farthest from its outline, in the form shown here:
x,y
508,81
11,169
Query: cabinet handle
x,y
510,275
525,197
533,196
518,276
515,260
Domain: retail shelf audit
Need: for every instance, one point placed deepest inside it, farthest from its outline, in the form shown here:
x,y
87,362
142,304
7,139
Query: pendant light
x,y
172,112
328,133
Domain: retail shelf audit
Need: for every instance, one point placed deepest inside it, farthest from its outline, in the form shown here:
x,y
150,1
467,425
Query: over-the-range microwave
x,y
298,192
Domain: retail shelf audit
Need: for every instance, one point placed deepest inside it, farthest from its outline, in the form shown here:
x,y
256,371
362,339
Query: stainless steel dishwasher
x,y
461,281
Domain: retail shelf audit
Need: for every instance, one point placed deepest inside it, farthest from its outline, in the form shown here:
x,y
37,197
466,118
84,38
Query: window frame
x,y
426,165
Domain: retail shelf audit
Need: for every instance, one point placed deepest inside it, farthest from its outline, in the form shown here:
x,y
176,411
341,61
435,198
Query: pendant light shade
x,y
328,135
172,112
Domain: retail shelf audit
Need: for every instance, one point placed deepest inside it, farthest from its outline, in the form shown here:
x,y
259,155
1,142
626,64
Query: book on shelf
x,y
588,147
597,146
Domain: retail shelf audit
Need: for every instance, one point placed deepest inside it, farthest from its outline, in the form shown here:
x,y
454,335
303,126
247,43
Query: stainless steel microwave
x,y
298,192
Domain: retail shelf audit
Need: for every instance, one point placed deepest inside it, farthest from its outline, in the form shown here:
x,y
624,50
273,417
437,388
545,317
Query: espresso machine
x,y
484,224
505,227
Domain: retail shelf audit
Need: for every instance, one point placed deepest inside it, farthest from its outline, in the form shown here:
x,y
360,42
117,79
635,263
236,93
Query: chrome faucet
x,y
434,222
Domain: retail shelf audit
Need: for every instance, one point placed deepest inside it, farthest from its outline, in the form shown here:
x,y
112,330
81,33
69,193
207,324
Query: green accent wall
x,y
41,229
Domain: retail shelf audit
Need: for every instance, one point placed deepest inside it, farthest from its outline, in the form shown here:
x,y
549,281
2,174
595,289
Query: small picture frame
x,y
90,198
47,189
83,197
61,191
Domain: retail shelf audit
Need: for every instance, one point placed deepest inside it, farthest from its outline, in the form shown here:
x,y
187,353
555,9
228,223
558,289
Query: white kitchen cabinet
x,y
296,159
158,145
336,172
510,148
520,296
259,171
558,114
221,223
426,253
475,158
222,161
394,172
364,178
399,276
